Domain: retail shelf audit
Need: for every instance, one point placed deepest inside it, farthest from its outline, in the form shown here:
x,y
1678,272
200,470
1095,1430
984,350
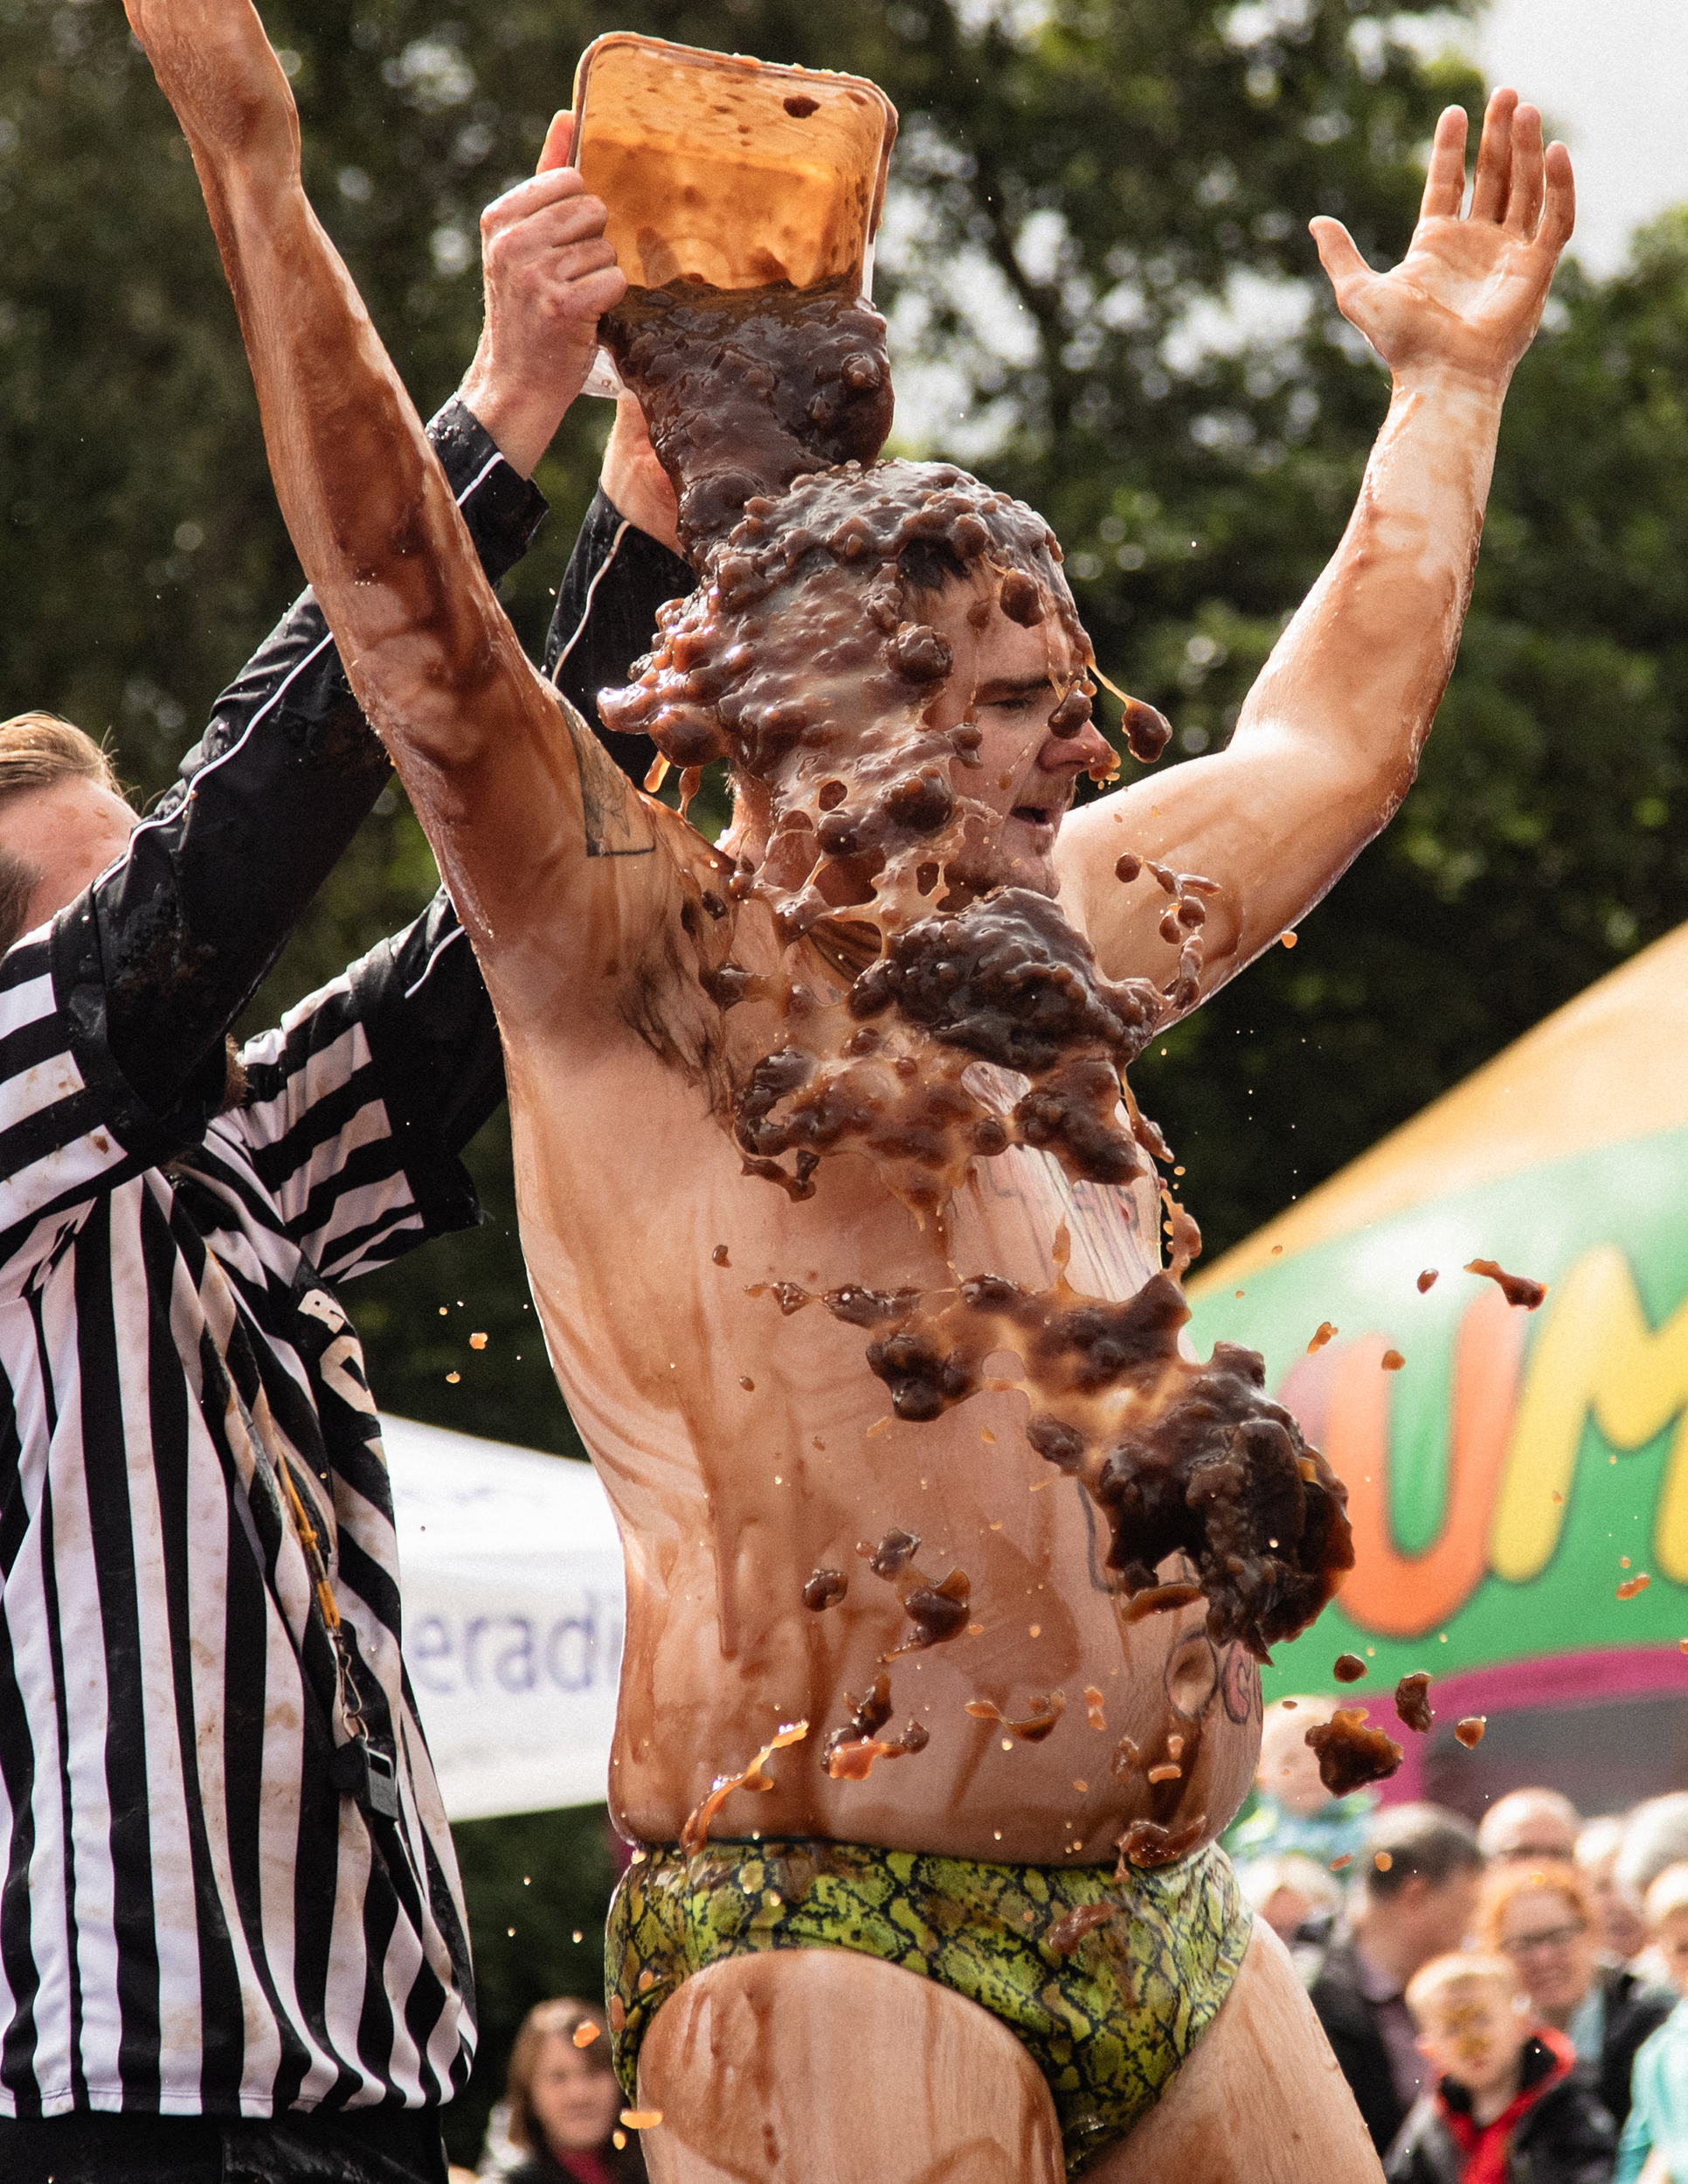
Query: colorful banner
x,y
1519,1481
1519,1469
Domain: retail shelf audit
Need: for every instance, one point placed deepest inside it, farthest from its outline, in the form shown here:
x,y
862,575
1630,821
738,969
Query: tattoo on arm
x,y
614,821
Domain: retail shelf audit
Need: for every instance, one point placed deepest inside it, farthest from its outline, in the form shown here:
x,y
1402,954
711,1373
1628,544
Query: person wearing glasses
x,y
1542,1918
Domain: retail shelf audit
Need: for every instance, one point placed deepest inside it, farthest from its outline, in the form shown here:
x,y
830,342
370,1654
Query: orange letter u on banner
x,y
1398,1595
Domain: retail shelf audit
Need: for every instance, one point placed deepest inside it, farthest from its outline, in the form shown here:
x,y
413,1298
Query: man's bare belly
x,y
746,1449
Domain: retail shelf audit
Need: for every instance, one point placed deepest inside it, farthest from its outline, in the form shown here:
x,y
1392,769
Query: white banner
x,y
510,1567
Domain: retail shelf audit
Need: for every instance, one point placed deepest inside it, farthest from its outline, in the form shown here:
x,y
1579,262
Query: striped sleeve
x,y
57,1152
193,915
359,1104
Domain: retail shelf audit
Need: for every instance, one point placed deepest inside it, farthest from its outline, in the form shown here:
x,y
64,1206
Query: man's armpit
x,y
615,822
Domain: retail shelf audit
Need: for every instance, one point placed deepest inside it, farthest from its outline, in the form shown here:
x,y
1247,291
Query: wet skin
x,y
584,904
66,834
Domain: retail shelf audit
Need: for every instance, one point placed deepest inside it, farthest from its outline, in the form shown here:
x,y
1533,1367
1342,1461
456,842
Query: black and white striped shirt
x,y
193,1918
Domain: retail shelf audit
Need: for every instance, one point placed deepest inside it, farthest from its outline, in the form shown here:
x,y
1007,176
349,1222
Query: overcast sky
x,y
1612,76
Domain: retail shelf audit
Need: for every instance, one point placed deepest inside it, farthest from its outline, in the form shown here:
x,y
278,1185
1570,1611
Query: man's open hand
x,y
550,273
1470,292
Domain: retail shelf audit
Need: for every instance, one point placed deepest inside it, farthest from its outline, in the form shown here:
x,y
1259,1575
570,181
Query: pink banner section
x,y
1561,1679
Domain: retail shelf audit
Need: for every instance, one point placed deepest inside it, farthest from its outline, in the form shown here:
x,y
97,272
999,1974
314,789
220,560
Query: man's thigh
x,y
821,2066
367,2146
1260,2097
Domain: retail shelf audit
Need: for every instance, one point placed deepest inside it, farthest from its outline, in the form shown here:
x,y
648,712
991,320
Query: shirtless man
x,y
747,1450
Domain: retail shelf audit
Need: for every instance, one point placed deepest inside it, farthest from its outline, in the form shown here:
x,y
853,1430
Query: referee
x,y
232,1935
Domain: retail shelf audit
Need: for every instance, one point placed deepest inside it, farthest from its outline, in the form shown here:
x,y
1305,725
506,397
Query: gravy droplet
x,y
1517,1289
1145,1844
1035,1726
1349,1755
1413,1701
1469,1732
695,1832
824,1589
1069,1930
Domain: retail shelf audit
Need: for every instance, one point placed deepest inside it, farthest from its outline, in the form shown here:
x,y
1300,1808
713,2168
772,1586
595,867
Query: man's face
x,y
1524,1828
66,835
1444,1913
1013,678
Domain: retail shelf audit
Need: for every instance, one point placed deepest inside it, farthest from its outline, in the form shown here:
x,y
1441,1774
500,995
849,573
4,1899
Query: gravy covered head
x,y
881,653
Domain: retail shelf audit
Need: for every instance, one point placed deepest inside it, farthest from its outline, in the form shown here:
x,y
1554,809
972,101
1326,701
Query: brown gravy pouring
x,y
803,657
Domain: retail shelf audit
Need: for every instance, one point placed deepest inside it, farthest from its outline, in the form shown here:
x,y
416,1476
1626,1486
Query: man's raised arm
x,y
1327,743
488,756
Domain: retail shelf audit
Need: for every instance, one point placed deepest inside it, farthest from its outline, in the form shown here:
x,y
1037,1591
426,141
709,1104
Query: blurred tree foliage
x,y
1102,294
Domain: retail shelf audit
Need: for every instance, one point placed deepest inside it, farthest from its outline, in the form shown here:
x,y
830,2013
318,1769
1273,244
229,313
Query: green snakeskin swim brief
x,y
1108,2020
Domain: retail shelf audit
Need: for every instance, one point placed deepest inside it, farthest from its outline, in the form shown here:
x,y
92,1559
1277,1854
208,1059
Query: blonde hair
x,y
1461,1967
1668,1895
560,2019
37,750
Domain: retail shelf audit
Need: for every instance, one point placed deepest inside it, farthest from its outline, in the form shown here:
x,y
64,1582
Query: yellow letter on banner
x,y
1596,1355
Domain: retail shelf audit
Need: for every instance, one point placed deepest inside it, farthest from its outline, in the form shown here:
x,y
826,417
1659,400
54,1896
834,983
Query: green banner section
x,y
1501,1475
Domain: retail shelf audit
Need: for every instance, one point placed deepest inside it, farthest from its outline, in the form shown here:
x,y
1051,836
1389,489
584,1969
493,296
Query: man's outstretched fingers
x,y
1559,215
1524,206
1339,254
1445,183
1492,189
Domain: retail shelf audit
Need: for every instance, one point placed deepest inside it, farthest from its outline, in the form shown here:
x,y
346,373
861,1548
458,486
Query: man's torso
x,y
746,1447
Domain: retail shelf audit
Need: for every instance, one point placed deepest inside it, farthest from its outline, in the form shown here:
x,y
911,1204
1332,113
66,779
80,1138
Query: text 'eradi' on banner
x,y
511,1572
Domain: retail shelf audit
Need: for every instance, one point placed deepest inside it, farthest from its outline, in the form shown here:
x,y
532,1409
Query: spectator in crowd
x,y
1415,1898
1655,1836
1533,1824
1293,1810
1655,2145
564,2103
1287,1891
1622,1932
1664,1912
1542,1918
1507,2103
